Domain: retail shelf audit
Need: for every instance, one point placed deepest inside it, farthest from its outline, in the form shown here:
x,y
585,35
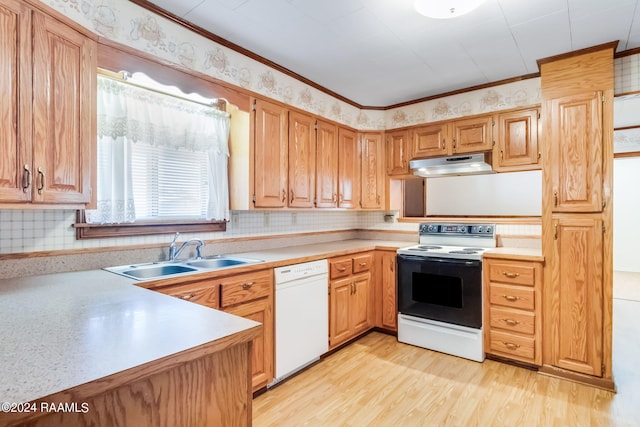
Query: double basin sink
x,y
166,269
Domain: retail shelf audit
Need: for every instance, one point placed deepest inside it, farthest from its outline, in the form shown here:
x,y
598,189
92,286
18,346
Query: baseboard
x,y
603,383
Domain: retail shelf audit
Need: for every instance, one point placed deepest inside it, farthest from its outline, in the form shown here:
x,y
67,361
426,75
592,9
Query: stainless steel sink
x,y
148,271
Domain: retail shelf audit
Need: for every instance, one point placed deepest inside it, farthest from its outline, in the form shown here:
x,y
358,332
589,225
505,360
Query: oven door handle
x,y
463,262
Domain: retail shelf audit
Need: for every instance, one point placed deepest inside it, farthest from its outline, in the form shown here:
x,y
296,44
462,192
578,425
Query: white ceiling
x,y
382,52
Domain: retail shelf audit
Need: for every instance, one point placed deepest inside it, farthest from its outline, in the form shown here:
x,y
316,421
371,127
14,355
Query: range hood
x,y
466,164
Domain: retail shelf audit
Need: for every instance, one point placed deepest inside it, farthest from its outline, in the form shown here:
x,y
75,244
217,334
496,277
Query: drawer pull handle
x,y
247,285
341,269
187,297
510,298
363,264
41,180
26,179
510,345
510,275
511,322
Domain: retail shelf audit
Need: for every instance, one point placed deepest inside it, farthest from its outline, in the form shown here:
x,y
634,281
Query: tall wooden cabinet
x,y
302,160
271,155
397,152
327,158
372,172
47,109
386,290
577,145
348,169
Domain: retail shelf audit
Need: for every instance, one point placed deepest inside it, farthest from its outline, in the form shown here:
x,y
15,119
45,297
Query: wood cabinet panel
x,y
513,272
511,296
270,155
245,287
15,100
430,141
576,152
517,141
339,307
327,165
262,358
372,160
397,152
472,135
511,319
360,303
511,345
340,267
387,301
64,112
201,292
348,169
302,160
574,298
362,263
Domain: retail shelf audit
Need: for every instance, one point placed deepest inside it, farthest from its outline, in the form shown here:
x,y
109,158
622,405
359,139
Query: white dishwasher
x,y
302,316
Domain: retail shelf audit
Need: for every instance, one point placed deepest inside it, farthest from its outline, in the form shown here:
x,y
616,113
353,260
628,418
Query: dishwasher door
x,y
302,318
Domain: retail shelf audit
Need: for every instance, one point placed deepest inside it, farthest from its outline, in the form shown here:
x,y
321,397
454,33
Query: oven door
x,y
442,289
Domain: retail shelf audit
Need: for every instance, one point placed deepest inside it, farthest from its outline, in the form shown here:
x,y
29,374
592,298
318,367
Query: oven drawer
x,y
362,263
245,287
517,273
511,296
513,345
341,267
512,320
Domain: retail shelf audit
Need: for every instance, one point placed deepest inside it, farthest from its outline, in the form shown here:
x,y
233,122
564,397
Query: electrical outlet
x,y
265,217
235,219
294,218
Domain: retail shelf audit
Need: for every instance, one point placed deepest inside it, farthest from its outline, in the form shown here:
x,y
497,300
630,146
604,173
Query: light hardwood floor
x,y
379,382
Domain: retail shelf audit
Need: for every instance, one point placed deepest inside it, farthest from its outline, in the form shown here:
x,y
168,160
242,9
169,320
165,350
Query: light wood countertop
x,y
524,254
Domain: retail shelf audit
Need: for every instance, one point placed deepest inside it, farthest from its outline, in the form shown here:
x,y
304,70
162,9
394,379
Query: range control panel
x,y
458,229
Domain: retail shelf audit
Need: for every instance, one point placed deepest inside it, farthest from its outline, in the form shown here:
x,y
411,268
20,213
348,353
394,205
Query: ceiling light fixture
x,y
445,9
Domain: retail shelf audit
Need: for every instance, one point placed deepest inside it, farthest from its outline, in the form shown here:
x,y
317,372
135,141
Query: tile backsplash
x,y
51,230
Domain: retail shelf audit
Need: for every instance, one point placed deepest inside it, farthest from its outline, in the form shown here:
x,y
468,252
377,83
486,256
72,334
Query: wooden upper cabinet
x,y
397,153
64,112
372,182
15,111
574,299
517,141
270,155
430,141
348,169
326,165
47,110
472,135
575,162
302,160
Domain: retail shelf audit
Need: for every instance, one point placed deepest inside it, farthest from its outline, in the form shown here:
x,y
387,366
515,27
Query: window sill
x,y
99,231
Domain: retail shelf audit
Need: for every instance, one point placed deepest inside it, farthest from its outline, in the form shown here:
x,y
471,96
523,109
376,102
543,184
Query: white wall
x,y
626,212
503,194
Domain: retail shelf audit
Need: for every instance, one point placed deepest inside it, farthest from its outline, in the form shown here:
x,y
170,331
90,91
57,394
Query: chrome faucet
x,y
174,253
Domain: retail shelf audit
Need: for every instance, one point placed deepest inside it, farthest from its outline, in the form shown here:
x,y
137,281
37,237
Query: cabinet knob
x,y
555,198
363,264
510,345
511,322
187,297
341,269
41,180
284,195
26,178
510,298
247,285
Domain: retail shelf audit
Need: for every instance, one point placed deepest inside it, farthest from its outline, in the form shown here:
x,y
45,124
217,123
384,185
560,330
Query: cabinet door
x,y
517,147
15,102
270,155
472,135
339,301
430,141
576,153
262,357
574,299
397,159
388,302
64,112
302,160
348,169
371,184
327,165
359,304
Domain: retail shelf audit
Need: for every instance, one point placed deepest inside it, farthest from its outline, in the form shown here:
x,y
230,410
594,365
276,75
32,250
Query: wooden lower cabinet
x,y
574,299
350,297
513,309
385,300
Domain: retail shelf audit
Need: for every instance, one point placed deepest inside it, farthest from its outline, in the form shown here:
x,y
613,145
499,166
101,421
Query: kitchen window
x,y
161,161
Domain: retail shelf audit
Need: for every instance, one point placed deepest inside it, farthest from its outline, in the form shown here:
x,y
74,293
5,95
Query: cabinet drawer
x,y
340,267
207,295
512,320
512,272
362,263
512,344
511,296
245,287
